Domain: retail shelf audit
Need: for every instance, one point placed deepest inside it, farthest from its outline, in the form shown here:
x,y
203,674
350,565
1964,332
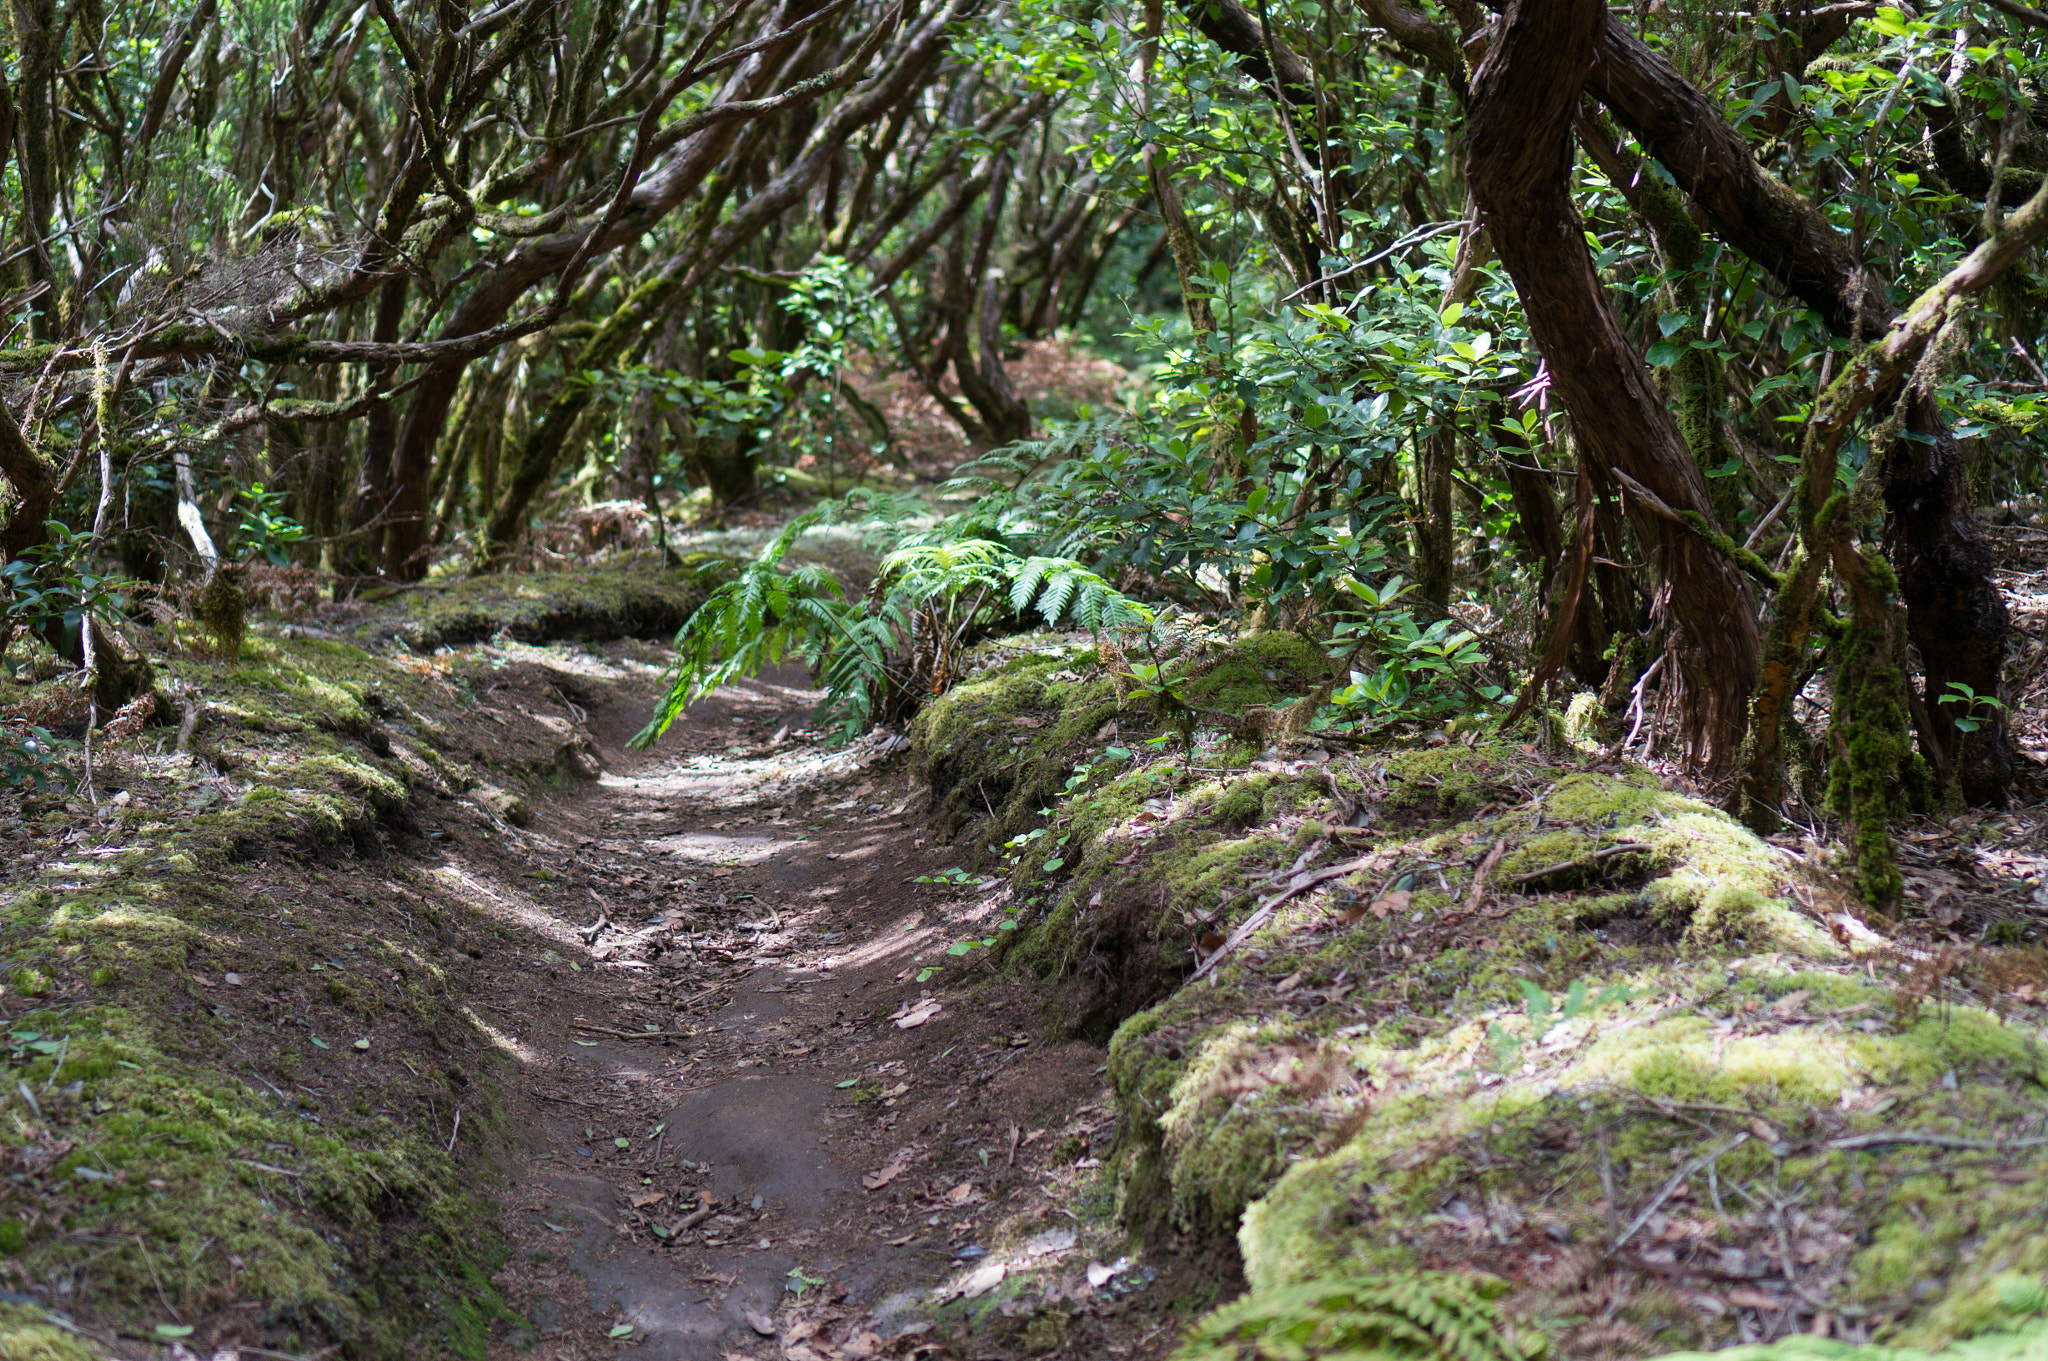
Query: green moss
x,y
588,603
27,1334
223,613
344,1216
1449,782
1585,722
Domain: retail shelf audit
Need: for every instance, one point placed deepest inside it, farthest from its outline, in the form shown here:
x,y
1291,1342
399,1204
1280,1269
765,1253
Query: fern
x,y
905,636
1426,1316
1063,589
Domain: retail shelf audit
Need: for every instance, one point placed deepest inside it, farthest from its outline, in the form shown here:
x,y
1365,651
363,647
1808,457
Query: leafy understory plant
x,y
1973,710
1546,1013
897,645
30,758
1428,1316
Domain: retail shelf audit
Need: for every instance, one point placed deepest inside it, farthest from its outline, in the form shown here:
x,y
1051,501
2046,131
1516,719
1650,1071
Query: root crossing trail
x,y
745,1128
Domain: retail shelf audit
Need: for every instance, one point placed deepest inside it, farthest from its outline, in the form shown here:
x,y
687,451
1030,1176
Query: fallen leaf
x,y
1099,1275
1742,1297
1786,1007
899,1242
1034,1136
981,1280
1027,722
203,981
897,1090
960,1194
620,1330
233,980
647,1198
800,1332
1397,901
362,1044
876,1180
760,1323
918,1015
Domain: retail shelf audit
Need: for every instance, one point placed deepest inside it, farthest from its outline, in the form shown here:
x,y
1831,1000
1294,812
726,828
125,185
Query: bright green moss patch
x,y
999,748
29,1334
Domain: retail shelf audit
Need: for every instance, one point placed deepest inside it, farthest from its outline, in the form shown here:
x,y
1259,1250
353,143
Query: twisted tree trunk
x,y
1955,615
1519,135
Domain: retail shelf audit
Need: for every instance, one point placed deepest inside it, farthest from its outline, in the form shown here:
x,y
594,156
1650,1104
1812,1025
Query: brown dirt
x,y
761,933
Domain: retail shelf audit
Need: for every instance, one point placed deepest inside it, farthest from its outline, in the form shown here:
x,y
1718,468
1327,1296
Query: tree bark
x,y
1518,133
1955,614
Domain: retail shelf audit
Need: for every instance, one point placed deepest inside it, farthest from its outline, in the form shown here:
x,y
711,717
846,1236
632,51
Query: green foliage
x,y
1546,1013
752,622
56,586
30,758
900,642
1973,710
1427,1316
266,531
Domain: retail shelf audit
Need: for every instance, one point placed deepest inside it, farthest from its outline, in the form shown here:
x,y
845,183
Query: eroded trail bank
x,y
406,1012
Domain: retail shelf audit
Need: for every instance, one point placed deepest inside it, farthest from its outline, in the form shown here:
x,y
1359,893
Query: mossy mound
x,y
1554,1023
590,604
998,749
241,1035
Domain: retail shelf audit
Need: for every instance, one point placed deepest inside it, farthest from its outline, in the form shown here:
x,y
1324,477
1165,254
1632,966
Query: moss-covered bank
x,y
235,1031
1553,1023
593,604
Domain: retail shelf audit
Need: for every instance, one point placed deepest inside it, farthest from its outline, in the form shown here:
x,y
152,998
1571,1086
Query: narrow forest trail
x,y
780,1167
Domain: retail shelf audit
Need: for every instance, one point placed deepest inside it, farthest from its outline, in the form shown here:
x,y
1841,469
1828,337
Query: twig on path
x,y
1678,1179
1897,1138
457,1129
631,1034
1480,875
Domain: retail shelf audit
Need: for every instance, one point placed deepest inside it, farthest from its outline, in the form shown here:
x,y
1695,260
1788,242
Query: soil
x,y
735,1135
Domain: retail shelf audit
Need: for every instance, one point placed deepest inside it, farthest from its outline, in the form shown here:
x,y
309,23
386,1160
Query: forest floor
x,y
746,1127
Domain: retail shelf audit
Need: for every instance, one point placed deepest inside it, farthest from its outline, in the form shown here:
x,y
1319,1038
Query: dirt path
x,y
739,1137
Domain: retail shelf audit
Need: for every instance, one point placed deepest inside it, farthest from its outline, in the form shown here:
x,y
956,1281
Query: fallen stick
x,y
1907,1136
1483,873
1302,883
631,1034
1625,848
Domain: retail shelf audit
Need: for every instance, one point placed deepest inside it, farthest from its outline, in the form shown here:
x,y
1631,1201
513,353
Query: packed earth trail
x,y
749,1121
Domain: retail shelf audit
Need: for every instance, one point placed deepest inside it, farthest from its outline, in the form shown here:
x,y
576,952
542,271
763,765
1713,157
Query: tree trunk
x,y
1956,616
1518,166
1434,528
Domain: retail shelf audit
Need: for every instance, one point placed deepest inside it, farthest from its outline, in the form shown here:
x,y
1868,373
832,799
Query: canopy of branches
x,y
1668,355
